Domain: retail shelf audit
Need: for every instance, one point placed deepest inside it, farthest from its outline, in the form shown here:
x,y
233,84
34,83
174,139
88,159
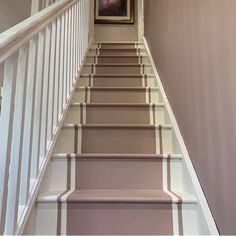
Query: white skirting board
x,y
203,205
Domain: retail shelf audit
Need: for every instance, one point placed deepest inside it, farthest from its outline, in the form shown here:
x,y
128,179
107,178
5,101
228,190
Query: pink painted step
x,y
104,69
118,59
117,212
114,80
116,95
120,139
118,45
118,52
117,113
110,171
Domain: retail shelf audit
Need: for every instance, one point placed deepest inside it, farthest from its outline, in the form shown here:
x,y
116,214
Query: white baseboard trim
x,y
186,158
35,190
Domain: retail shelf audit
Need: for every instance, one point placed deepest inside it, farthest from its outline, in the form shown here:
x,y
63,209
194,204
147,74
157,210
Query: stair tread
x,y
116,196
115,56
117,156
145,126
117,64
118,49
119,104
118,88
118,75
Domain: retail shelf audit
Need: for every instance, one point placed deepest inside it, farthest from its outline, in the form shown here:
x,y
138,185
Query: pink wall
x,y
13,12
193,43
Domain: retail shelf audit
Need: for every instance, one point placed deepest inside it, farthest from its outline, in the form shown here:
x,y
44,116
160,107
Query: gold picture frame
x,y
114,12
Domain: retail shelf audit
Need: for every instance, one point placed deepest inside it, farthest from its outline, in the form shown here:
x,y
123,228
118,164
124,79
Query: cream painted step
x,y
117,59
116,52
104,69
113,171
116,95
120,139
109,212
107,113
113,80
118,45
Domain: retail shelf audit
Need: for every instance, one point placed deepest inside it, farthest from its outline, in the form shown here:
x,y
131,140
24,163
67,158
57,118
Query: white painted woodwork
x,y
40,60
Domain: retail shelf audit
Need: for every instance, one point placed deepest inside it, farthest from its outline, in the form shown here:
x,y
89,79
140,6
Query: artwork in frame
x,y
114,11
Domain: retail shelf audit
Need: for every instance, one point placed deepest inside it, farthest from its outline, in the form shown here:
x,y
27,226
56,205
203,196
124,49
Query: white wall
x,y
108,32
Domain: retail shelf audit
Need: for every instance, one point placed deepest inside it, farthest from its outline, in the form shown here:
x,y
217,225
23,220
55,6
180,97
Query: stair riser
x,y
117,60
115,52
115,174
114,140
114,219
116,115
116,82
116,96
106,70
117,45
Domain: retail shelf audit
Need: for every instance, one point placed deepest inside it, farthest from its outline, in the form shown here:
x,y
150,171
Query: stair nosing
x,y
118,104
118,156
118,42
46,198
118,126
118,49
119,75
115,56
117,88
118,64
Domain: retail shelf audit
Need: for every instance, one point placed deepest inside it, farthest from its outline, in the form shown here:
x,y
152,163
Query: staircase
x,y
116,167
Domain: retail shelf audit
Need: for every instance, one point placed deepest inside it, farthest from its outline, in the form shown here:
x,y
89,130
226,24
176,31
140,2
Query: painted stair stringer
x,y
117,166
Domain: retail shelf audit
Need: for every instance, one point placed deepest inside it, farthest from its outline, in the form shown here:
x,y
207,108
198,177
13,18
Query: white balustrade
x,y
40,60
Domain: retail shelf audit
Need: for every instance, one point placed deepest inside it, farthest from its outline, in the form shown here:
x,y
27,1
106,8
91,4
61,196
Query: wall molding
x,y
186,158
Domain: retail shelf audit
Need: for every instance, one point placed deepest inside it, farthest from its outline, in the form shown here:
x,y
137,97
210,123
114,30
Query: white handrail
x,y
40,59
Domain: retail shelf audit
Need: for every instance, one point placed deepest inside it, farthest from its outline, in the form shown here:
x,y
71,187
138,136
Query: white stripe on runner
x,y
84,114
147,95
157,133
88,95
151,114
175,218
143,81
79,139
91,81
64,212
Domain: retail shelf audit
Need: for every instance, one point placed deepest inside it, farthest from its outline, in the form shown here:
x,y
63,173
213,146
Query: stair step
x,y
131,139
115,213
118,59
117,52
118,45
119,196
112,80
118,156
113,171
116,95
117,69
117,113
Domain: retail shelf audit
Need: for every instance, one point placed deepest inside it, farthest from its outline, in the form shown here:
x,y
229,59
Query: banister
x,y
40,60
13,39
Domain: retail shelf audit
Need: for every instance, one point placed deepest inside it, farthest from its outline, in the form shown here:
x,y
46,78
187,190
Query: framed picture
x,y
114,11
